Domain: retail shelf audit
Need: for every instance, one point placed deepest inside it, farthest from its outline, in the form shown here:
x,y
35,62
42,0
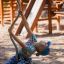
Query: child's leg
x,y
12,60
25,61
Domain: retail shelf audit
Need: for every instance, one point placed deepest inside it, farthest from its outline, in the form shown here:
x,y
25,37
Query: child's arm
x,y
12,35
26,25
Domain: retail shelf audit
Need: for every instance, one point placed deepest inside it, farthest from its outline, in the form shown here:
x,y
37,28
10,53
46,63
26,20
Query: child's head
x,y
41,47
28,51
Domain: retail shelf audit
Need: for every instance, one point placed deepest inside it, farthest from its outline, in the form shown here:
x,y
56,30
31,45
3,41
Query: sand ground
x,y
7,49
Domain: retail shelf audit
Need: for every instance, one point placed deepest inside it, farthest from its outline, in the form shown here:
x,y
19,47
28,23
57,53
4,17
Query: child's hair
x,y
40,45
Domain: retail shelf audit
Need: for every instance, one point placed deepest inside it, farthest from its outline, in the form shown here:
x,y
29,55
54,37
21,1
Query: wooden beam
x,y
49,18
1,12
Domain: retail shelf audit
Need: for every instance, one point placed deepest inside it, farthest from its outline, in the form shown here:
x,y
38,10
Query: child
x,y
29,48
24,54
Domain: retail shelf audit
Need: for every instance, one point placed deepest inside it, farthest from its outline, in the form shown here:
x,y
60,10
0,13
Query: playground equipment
x,y
52,11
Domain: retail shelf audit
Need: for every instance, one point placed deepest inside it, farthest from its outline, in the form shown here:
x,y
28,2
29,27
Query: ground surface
x,y
7,49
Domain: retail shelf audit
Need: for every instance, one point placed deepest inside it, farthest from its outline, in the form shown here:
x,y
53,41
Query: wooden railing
x,y
8,11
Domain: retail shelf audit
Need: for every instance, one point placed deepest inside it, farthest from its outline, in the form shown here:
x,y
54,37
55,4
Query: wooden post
x,y
1,12
49,18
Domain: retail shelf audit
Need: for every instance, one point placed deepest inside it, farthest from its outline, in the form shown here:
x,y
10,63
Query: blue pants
x,y
22,60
